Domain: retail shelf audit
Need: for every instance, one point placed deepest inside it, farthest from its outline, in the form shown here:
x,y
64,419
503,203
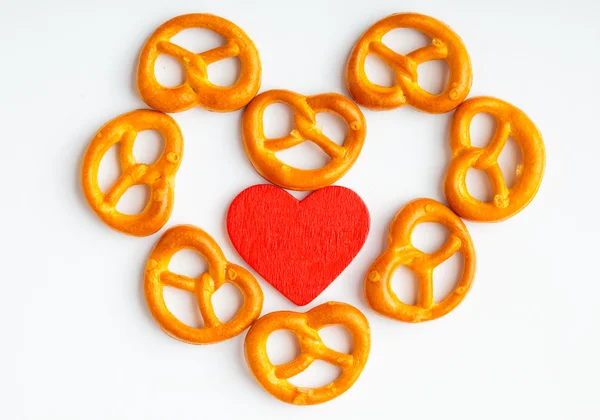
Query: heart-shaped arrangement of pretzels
x,y
269,227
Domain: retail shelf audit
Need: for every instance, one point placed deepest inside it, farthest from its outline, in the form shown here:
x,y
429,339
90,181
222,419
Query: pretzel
x,y
220,271
446,45
159,176
306,326
507,202
197,90
401,251
261,151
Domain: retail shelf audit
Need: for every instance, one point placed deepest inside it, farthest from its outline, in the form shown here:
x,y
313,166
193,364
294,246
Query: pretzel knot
x,y
306,326
159,176
197,90
261,151
512,122
402,252
445,45
220,271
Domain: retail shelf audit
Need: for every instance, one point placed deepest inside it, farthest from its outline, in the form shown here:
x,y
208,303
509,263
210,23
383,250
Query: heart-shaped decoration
x,y
299,247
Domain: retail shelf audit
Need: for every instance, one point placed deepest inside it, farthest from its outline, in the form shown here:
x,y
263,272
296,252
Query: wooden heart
x,y
299,247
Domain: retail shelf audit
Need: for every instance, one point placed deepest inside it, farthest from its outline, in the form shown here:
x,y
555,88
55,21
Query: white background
x,y
77,339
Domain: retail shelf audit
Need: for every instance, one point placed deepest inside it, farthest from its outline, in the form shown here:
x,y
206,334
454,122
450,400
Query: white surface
x,y
78,341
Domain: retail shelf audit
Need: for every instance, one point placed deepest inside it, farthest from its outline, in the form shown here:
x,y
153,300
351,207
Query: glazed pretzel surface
x,y
511,122
220,271
197,90
159,176
306,326
445,45
261,150
401,251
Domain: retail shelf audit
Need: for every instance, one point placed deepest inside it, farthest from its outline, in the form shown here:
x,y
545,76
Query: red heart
x,y
299,247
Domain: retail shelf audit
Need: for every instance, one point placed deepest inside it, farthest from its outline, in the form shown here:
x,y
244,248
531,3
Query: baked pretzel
x,y
512,122
220,271
197,90
446,45
401,251
306,327
261,151
159,176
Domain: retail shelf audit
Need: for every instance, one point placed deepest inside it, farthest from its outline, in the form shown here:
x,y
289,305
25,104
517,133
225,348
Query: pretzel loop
x,y
306,326
159,176
511,122
445,45
197,90
220,271
401,251
261,151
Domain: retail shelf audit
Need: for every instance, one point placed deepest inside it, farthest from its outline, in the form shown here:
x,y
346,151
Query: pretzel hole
x,y
433,76
227,302
446,276
378,72
183,305
479,185
109,169
337,338
429,237
198,40
405,40
511,157
318,374
482,129
148,146
169,72
278,120
305,155
134,200
224,72
405,285
282,347
188,263
332,126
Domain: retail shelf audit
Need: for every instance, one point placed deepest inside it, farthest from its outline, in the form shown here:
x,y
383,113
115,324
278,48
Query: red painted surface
x,y
299,247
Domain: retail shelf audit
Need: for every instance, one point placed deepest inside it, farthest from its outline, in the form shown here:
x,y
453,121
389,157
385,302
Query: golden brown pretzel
x,y
220,271
507,202
159,176
401,251
261,151
197,90
446,45
306,326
